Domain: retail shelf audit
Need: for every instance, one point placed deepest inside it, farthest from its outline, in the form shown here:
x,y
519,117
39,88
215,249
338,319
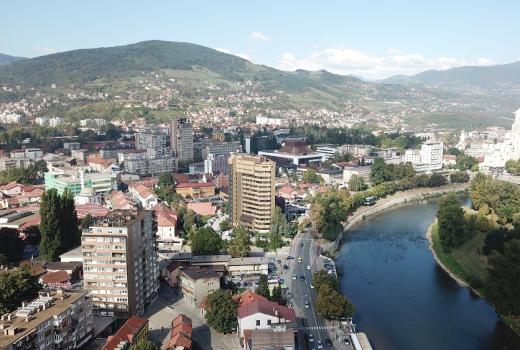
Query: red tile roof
x,y
179,341
202,208
248,297
10,186
126,333
181,334
165,216
195,185
268,308
95,210
56,277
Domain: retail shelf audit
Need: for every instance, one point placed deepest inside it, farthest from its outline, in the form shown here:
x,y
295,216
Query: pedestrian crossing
x,y
317,328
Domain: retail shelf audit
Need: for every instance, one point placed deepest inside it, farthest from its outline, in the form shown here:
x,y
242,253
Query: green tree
x,y
378,171
465,162
70,225
459,177
86,221
310,176
205,241
450,218
50,225
240,244
503,284
277,296
263,287
331,304
17,286
322,278
436,180
225,225
222,311
145,344
166,180
356,183
513,167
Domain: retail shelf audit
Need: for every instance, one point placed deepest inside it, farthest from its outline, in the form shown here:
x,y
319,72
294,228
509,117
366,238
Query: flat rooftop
x,y
54,306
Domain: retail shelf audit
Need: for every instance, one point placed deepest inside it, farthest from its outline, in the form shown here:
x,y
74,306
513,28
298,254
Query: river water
x,y
403,299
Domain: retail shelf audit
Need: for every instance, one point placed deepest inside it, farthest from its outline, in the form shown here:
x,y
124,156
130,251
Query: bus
x,y
369,201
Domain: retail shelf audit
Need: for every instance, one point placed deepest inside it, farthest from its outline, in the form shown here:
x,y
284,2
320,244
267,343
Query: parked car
x,y
308,267
311,338
307,305
328,342
320,345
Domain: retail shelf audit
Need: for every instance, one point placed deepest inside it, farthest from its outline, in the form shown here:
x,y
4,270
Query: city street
x,y
301,292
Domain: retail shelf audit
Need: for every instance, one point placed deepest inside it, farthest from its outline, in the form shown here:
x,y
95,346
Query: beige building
x,y
196,283
252,191
120,262
55,320
181,139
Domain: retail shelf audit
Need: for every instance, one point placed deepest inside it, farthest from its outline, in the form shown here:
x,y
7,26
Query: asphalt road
x,y
301,290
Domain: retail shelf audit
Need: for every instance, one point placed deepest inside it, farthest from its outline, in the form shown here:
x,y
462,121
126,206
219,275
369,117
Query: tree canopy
x,y
240,244
451,222
17,286
205,241
222,311
356,183
331,304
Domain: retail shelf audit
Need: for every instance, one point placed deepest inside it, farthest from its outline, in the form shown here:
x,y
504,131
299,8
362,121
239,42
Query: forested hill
x,y
5,59
124,62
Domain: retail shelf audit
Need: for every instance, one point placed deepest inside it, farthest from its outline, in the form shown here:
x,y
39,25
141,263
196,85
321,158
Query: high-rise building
x,y
55,320
154,141
428,158
252,182
120,262
181,139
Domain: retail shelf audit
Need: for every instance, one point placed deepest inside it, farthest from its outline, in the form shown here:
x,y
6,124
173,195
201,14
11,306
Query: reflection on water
x,y
403,299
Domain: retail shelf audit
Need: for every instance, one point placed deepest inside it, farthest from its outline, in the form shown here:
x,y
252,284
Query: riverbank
x,y
452,266
391,201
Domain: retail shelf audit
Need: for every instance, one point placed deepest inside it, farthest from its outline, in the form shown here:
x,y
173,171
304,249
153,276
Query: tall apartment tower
x,y
120,262
154,141
252,191
181,139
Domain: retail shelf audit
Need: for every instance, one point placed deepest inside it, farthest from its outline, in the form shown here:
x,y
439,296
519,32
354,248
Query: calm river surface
x,y
403,299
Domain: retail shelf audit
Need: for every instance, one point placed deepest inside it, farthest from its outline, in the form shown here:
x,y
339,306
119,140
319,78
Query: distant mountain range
x,y
200,72
5,59
486,77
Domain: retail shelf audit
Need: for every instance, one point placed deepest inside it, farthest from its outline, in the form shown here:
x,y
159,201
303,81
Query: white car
x,y
293,276
308,267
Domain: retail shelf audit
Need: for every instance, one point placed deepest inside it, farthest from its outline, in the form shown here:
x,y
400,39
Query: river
x,y
403,299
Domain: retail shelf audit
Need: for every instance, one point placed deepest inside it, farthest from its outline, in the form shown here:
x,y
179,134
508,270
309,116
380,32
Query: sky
x,y
365,38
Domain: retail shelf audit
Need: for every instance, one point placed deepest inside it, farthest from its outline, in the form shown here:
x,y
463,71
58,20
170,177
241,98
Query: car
x,y
307,305
311,338
285,267
294,276
320,345
302,277
347,341
281,280
300,259
308,267
279,261
289,257
312,287
328,342
301,244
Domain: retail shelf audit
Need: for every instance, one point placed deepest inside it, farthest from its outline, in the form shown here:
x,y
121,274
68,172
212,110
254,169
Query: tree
x,y
50,225
513,166
17,286
459,177
503,284
450,218
465,162
225,225
310,176
222,311
69,218
356,183
12,246
166,180
145,344
331,304
86,221
378,173
276,296
436,180
205,241
240,244
263,287
322,278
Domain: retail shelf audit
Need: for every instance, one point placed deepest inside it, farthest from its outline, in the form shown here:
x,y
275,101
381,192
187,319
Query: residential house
x,y
166,228
202,208
143,195
196,189
263,314
181,334
134,330
195,283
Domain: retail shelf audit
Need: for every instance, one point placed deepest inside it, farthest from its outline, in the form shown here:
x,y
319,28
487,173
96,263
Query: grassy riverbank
x,y
466,265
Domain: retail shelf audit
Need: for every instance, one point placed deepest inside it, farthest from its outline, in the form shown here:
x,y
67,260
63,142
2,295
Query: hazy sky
x,y
372,39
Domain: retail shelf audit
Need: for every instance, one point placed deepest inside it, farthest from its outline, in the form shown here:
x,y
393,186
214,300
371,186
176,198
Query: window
x,y
257,323
268,322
